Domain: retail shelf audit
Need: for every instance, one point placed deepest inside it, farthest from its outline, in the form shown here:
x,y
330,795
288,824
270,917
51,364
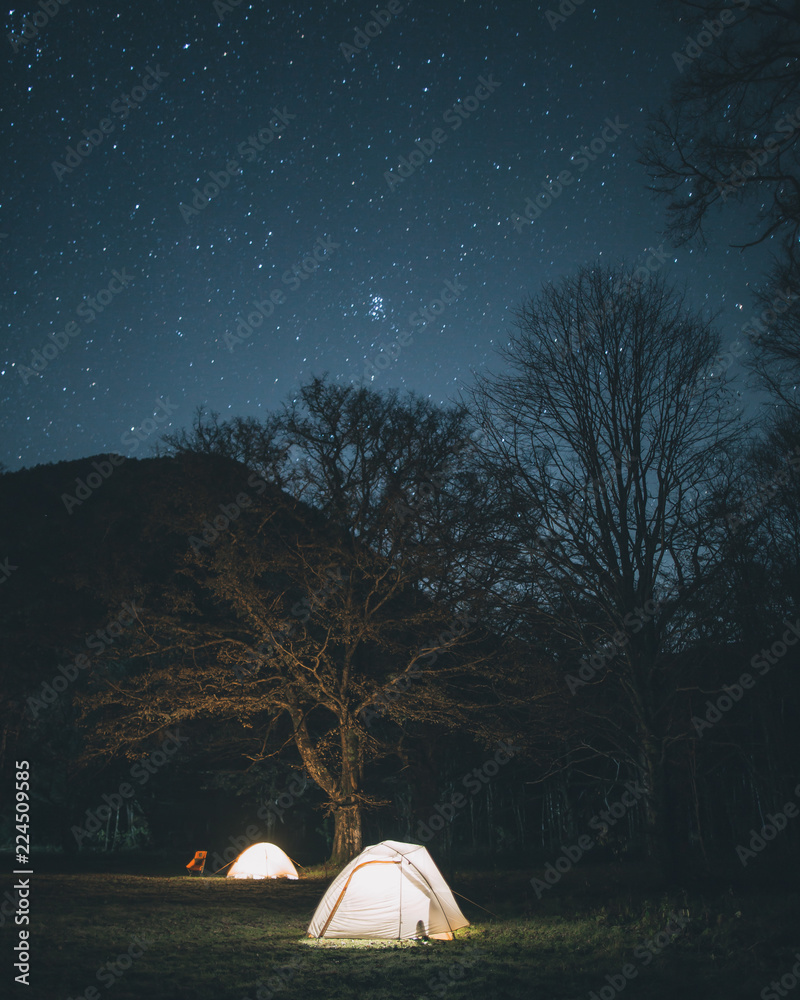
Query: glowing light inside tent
x,y
263,861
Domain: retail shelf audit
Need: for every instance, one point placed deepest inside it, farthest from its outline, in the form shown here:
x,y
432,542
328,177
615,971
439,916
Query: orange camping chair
x,y
198,863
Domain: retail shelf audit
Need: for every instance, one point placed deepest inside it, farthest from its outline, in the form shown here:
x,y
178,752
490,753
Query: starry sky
x,y
225,156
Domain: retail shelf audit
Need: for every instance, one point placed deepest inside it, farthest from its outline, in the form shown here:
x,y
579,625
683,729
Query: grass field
x,y
214,939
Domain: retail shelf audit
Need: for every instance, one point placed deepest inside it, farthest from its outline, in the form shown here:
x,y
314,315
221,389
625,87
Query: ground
x,y
595,934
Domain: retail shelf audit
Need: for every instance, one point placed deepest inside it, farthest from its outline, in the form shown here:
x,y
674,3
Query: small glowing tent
x,y
262,861
390,890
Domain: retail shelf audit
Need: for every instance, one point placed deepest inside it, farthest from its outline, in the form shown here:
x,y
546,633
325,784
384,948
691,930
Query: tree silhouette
x,y
729,135
606,439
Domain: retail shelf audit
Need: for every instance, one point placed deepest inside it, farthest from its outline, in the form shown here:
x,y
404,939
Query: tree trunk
x,y
346,833
342,790
658,822
346,809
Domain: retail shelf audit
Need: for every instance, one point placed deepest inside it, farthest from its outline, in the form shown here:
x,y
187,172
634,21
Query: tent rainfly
x,y
263,861
391,890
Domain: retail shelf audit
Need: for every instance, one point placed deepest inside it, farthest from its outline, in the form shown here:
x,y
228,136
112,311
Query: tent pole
x,y
433,893
224,866
344,888
474,903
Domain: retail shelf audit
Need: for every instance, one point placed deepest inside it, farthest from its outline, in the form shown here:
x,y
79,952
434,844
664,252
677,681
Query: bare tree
x,y
607,439
727,145
729,134
304,610
255,443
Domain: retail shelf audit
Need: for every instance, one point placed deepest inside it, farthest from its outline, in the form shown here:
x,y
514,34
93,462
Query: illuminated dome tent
x,y
263,861
390,890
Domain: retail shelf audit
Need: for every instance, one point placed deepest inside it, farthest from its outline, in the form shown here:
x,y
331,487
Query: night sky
x,y
155,291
